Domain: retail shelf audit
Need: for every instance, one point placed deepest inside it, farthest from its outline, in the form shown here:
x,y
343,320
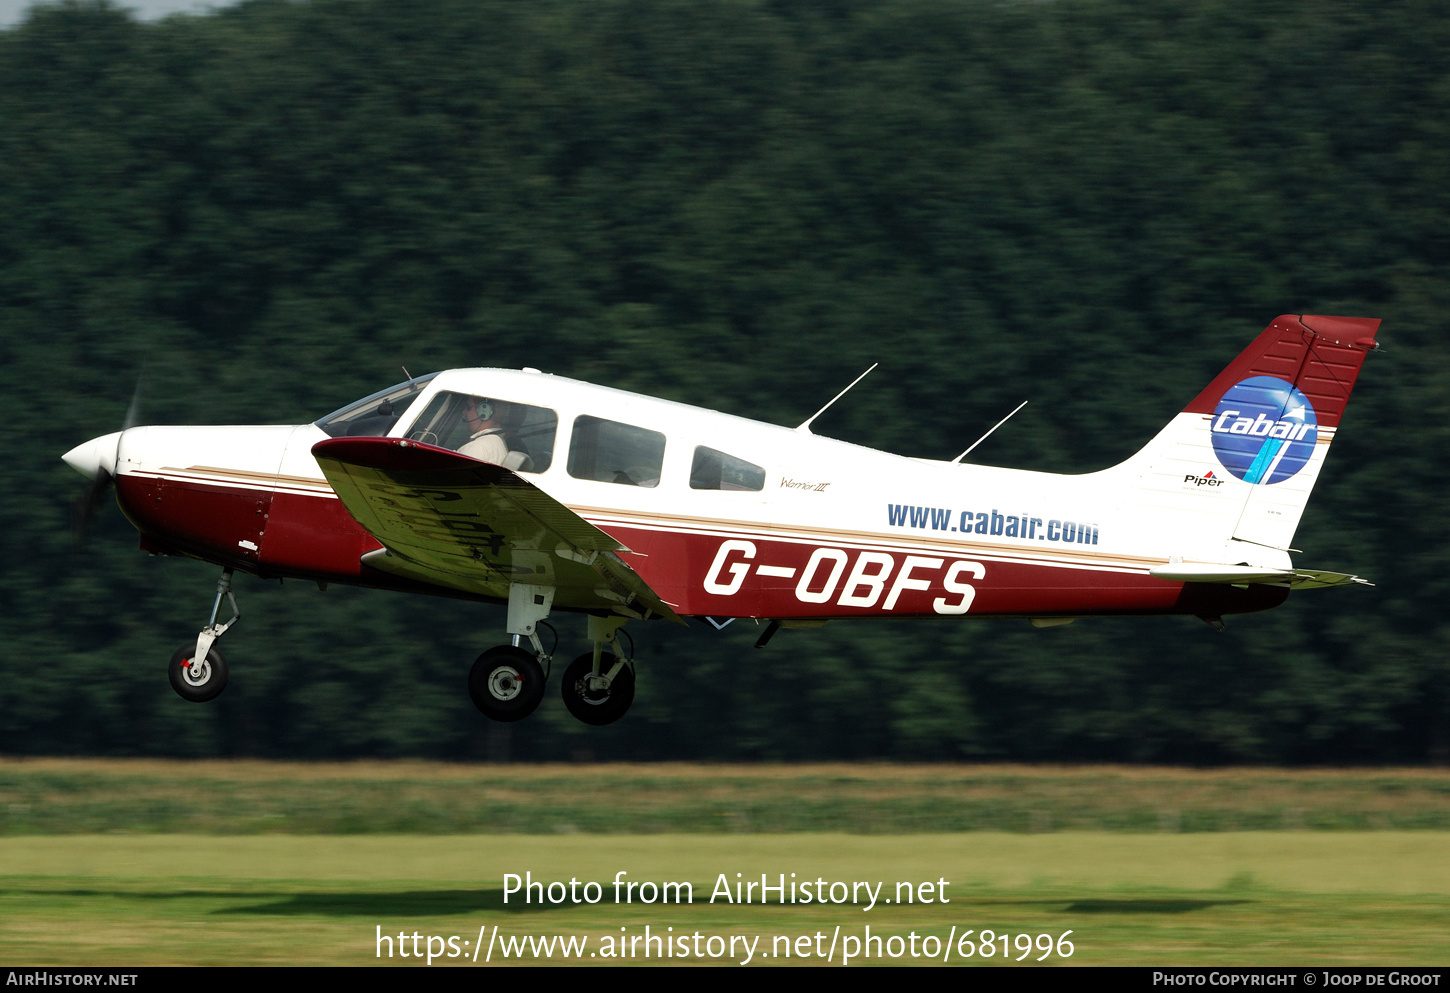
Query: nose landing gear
x,y
197,681
197,671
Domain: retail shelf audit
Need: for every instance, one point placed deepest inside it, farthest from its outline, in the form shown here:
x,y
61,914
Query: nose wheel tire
x,y
594,705
506,683
197,682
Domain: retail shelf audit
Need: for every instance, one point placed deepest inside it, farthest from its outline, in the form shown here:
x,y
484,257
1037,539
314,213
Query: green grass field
x,y
64,796
241,887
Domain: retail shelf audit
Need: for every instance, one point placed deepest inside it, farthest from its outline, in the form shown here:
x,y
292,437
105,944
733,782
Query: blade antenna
x,y
989,433
805,426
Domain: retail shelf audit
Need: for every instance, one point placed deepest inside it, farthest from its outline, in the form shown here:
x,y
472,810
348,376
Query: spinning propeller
x,y
97,459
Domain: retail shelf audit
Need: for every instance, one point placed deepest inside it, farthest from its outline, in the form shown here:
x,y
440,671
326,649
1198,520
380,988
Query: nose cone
x,y
91,457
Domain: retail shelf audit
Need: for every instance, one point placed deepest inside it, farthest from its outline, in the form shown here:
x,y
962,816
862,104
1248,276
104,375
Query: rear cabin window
x,y
514,435
611,452
714,470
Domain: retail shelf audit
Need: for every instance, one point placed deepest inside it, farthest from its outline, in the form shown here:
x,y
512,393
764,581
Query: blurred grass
x,y
84,796
1281,898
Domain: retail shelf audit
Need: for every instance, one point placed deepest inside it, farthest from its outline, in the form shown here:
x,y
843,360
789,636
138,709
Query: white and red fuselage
x,y
818,528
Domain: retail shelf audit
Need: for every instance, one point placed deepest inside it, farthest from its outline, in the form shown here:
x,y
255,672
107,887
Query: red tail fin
x,y
1320,355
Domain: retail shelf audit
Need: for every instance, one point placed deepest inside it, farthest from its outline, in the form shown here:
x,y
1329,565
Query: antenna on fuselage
x,y
805,425
989,433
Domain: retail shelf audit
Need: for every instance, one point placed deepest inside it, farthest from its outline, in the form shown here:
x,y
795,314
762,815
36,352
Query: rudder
x,y
1320,356
1251,444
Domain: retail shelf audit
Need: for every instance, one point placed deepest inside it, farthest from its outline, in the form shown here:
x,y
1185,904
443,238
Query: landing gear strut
x,y
598,686
197,671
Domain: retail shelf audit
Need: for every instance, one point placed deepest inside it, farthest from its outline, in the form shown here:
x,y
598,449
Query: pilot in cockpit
x,y
490,424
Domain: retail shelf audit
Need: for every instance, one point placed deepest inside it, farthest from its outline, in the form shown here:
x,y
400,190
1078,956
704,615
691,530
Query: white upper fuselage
x,y
876,515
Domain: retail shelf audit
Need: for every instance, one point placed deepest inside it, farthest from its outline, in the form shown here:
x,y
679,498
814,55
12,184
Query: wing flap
x,y
457,522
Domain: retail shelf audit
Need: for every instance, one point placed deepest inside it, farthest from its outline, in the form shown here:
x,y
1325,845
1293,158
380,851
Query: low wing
x,y
1244,575
453,521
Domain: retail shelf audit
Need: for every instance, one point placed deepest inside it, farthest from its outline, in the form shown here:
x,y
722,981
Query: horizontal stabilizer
x,y
1307,579
1245,575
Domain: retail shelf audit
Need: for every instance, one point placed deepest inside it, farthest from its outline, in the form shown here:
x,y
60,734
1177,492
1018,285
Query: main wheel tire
x,y
597,707
197,683
506,683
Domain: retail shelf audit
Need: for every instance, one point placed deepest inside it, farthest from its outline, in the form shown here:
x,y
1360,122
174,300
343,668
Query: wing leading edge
x,y
456,522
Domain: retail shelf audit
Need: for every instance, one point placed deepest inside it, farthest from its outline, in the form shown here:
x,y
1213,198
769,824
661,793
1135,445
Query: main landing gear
x,y
197,670
507,683
598,686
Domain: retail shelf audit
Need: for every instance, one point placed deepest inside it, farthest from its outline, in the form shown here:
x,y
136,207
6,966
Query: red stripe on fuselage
x,y
314,537
678,566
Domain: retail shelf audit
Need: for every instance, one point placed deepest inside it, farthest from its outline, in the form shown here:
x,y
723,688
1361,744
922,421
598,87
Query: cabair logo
x,y
1264,430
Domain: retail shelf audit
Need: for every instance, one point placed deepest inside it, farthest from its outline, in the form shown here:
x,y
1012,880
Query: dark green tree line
x,y
268,211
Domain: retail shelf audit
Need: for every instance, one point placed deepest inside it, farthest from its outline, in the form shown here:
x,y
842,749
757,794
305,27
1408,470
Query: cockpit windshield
x,y
374,416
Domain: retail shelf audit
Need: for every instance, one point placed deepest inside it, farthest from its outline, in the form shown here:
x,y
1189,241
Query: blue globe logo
x,y
1264,430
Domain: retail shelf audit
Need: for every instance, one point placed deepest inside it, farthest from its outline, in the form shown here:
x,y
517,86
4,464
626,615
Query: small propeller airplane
x,y
553,495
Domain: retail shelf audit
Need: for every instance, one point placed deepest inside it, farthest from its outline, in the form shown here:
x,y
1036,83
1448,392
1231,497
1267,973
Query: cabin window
x,y
610,452
714,470
374,416
514,435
